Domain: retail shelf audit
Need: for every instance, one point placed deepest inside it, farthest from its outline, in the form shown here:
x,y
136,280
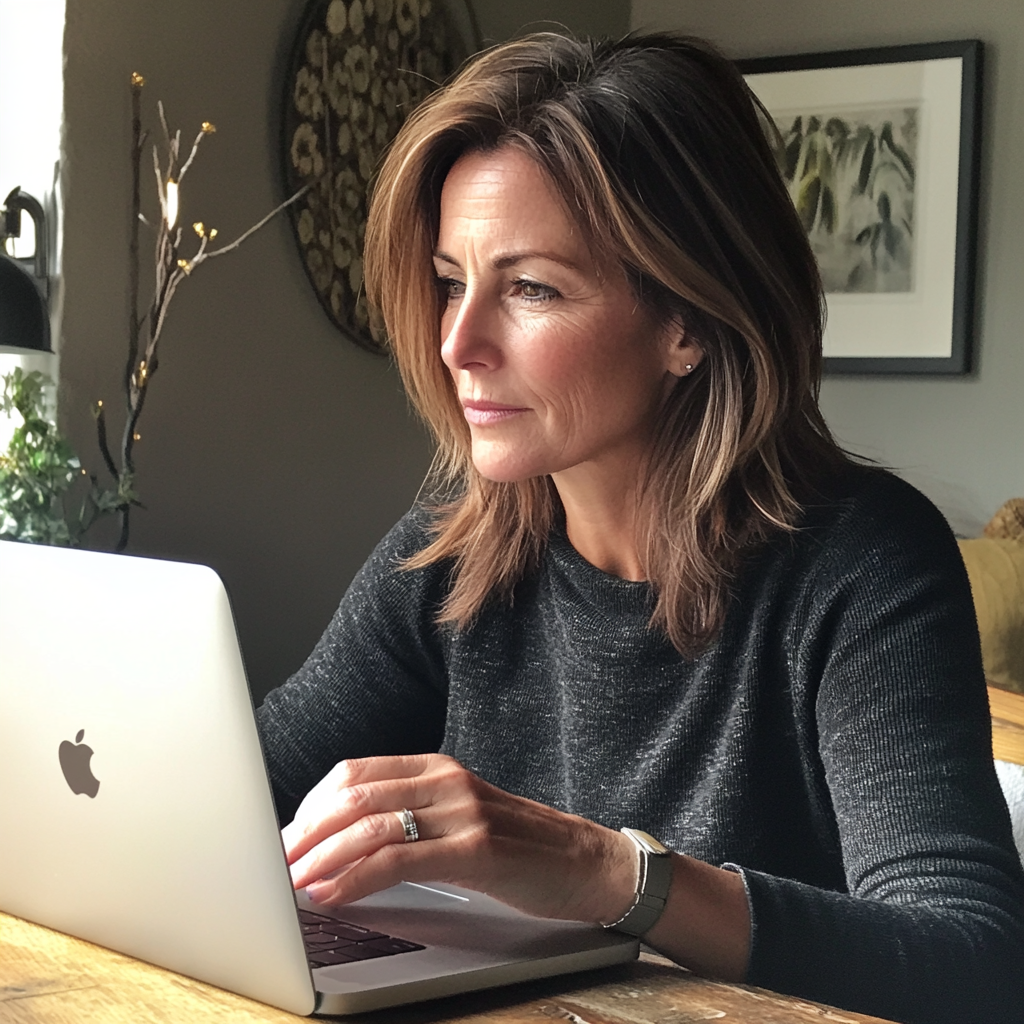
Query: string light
x,y
185,265
198,228
137,437
137,80
208,129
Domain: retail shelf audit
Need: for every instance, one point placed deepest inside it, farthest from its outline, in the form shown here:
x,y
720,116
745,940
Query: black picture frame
x,y
944,297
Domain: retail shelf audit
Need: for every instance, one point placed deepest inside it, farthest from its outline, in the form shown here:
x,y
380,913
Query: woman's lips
x,y
482,414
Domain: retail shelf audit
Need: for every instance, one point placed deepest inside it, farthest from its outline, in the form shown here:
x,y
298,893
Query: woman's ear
x,y
683,353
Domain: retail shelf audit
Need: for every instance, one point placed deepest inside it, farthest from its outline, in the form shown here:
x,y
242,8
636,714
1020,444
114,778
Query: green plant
x,y
40,473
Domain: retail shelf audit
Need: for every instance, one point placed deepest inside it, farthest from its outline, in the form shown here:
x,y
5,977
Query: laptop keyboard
x,y
330,941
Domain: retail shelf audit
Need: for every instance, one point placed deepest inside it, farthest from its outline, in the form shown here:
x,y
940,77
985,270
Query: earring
x,y
689,367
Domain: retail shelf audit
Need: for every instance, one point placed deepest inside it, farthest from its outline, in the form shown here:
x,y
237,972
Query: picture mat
x,y
917,324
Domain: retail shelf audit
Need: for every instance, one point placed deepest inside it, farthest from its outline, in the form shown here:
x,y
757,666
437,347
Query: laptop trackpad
x,y
409,896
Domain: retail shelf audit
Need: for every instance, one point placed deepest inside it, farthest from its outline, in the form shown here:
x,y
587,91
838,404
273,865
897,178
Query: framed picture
x,y
879,149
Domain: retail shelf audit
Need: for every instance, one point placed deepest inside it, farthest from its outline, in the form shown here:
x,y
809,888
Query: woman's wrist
x,y
654,877
706,922
615,877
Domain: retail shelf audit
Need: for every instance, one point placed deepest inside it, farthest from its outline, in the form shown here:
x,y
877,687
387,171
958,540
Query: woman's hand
x,y
347,841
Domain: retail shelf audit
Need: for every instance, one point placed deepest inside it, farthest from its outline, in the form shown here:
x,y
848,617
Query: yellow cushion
x,y
996,570
1008,522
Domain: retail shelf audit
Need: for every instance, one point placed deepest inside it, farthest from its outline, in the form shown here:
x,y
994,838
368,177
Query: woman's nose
x,y
469,334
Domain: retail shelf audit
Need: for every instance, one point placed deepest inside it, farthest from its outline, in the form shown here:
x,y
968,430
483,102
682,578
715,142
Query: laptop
x,y
135,810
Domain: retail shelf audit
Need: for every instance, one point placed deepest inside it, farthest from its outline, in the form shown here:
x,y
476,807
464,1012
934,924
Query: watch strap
x,y
653,881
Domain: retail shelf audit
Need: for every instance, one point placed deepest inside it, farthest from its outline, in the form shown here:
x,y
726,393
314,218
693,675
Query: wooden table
x,y
49,978
1007,725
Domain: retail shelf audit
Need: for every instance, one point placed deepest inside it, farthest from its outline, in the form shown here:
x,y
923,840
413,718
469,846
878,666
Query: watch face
x,y
648,842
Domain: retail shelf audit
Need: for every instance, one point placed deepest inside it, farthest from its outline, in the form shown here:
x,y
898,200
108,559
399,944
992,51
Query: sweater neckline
x,y
604,590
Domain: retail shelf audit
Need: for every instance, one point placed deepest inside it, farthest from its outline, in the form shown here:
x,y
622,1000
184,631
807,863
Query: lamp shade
x,y
24,320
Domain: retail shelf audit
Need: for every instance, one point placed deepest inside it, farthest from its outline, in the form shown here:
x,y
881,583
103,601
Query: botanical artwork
x,y
851,175
358,69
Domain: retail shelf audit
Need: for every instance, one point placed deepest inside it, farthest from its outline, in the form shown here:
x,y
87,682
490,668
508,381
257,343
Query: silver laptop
x,y
135,810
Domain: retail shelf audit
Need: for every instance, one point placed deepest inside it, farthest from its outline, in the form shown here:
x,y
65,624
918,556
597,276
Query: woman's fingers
x,y
387,866
354,811
358,770
362,838
332,808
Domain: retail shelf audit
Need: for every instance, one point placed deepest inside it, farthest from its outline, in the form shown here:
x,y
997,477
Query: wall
x,y
500,20
271,447
959,440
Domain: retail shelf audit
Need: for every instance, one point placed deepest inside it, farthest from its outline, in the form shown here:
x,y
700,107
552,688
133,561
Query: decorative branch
x,y
170,269
200,257
133,242
101,433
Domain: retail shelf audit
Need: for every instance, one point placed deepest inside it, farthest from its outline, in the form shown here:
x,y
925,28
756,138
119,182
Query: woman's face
x,y
559,369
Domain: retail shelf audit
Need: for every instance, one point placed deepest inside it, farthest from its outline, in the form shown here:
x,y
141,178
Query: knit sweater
x,y
832,744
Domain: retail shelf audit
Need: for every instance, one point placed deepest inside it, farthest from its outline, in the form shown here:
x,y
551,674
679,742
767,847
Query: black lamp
x,y
24,282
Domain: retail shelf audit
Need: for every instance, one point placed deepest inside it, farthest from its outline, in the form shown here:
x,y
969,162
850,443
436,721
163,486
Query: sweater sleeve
x,y
375,683
931,929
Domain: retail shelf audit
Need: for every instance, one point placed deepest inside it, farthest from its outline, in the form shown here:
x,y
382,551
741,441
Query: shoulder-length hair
x,y
659,151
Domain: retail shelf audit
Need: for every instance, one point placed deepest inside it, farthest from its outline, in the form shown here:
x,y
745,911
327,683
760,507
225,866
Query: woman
x,y
656,594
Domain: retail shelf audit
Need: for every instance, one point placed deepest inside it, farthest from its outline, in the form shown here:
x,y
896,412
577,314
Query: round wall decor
x,y
357,69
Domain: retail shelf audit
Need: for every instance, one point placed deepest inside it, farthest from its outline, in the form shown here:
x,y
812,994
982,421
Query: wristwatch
x,y
653,880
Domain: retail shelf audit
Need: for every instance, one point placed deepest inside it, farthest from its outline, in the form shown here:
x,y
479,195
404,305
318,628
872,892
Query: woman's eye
x,y
450,288
533,291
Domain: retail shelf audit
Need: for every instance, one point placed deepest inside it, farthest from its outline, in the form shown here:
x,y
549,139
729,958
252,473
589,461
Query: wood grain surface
x,y
1007,725
49,978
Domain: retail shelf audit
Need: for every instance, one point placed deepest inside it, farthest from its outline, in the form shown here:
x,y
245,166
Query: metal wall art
x,y
357,69
880,154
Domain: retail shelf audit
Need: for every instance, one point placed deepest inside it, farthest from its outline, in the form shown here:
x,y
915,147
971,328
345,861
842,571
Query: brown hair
x,y
659,151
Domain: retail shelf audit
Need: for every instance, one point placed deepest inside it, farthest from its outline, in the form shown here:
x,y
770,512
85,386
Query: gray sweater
x,y
832,744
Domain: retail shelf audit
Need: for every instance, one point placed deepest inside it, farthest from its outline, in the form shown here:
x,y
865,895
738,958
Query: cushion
x,y
1008,522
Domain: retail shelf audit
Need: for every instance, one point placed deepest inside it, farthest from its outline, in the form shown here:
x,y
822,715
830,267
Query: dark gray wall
x,y
960,440
272,448
593,17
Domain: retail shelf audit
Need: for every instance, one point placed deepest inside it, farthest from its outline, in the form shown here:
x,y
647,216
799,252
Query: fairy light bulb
x,y
172,202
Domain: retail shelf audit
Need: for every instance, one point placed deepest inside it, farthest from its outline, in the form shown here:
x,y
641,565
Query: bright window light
x,y
30,126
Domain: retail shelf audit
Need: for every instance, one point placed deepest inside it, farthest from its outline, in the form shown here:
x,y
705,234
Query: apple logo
x,y
74,763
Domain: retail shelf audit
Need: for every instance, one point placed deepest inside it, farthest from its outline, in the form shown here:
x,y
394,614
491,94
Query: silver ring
x,y
408,820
